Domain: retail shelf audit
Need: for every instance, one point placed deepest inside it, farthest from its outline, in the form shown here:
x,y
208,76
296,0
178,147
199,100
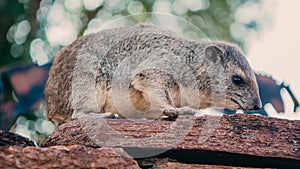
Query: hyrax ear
x,y
213,53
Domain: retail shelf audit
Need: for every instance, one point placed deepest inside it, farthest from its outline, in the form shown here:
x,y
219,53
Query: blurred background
x,y
33,31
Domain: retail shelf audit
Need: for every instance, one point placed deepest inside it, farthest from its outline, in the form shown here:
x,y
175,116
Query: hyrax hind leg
x,y
97,106
155,93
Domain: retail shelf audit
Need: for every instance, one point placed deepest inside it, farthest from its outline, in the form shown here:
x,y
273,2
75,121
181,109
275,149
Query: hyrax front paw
x,y
110,115
99,115
171,113
174,113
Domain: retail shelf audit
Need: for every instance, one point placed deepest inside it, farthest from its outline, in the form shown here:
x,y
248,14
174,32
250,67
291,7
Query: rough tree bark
x,y
65,157
239,140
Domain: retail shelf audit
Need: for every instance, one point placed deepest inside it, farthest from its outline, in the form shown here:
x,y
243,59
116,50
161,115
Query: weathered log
x,y
238,140
65,157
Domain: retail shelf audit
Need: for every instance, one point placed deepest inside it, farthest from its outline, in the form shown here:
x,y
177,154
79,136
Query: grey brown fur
x,y
144,72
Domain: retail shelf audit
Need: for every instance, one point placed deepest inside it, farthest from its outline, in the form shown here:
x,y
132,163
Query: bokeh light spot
x,y
62,34
37,51
11,33
179,7
92,4
16,50
24,28
162,6
135,7
56,14
115,5
73,5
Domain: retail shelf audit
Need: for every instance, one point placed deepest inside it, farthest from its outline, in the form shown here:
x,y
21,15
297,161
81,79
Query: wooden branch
x,y
65,157
239,140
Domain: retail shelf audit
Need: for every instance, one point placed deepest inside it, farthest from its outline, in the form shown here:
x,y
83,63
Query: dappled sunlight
x,y
63,21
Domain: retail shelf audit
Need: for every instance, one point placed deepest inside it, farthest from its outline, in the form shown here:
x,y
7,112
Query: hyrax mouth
x,y
256,106
237,103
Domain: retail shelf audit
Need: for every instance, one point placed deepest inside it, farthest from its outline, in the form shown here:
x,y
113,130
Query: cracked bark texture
x,y
239,134
65,157
230,141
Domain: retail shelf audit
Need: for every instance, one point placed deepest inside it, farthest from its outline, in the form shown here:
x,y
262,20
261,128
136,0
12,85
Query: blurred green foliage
x,y
36,30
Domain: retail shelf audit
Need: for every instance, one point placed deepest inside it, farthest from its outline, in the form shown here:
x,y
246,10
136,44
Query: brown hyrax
x,y
146,72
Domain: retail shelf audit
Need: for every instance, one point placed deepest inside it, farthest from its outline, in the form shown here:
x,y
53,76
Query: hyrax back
x,y
144,72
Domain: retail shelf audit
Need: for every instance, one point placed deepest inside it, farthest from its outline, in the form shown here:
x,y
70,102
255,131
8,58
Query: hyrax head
x,y
232,82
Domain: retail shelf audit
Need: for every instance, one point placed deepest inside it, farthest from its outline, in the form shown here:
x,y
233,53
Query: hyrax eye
x,y
238,81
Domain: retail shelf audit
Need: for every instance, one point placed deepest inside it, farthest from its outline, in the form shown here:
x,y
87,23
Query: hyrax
x,y
146,72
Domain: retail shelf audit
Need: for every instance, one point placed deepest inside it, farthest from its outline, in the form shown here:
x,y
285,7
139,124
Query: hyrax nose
x,y
257,104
